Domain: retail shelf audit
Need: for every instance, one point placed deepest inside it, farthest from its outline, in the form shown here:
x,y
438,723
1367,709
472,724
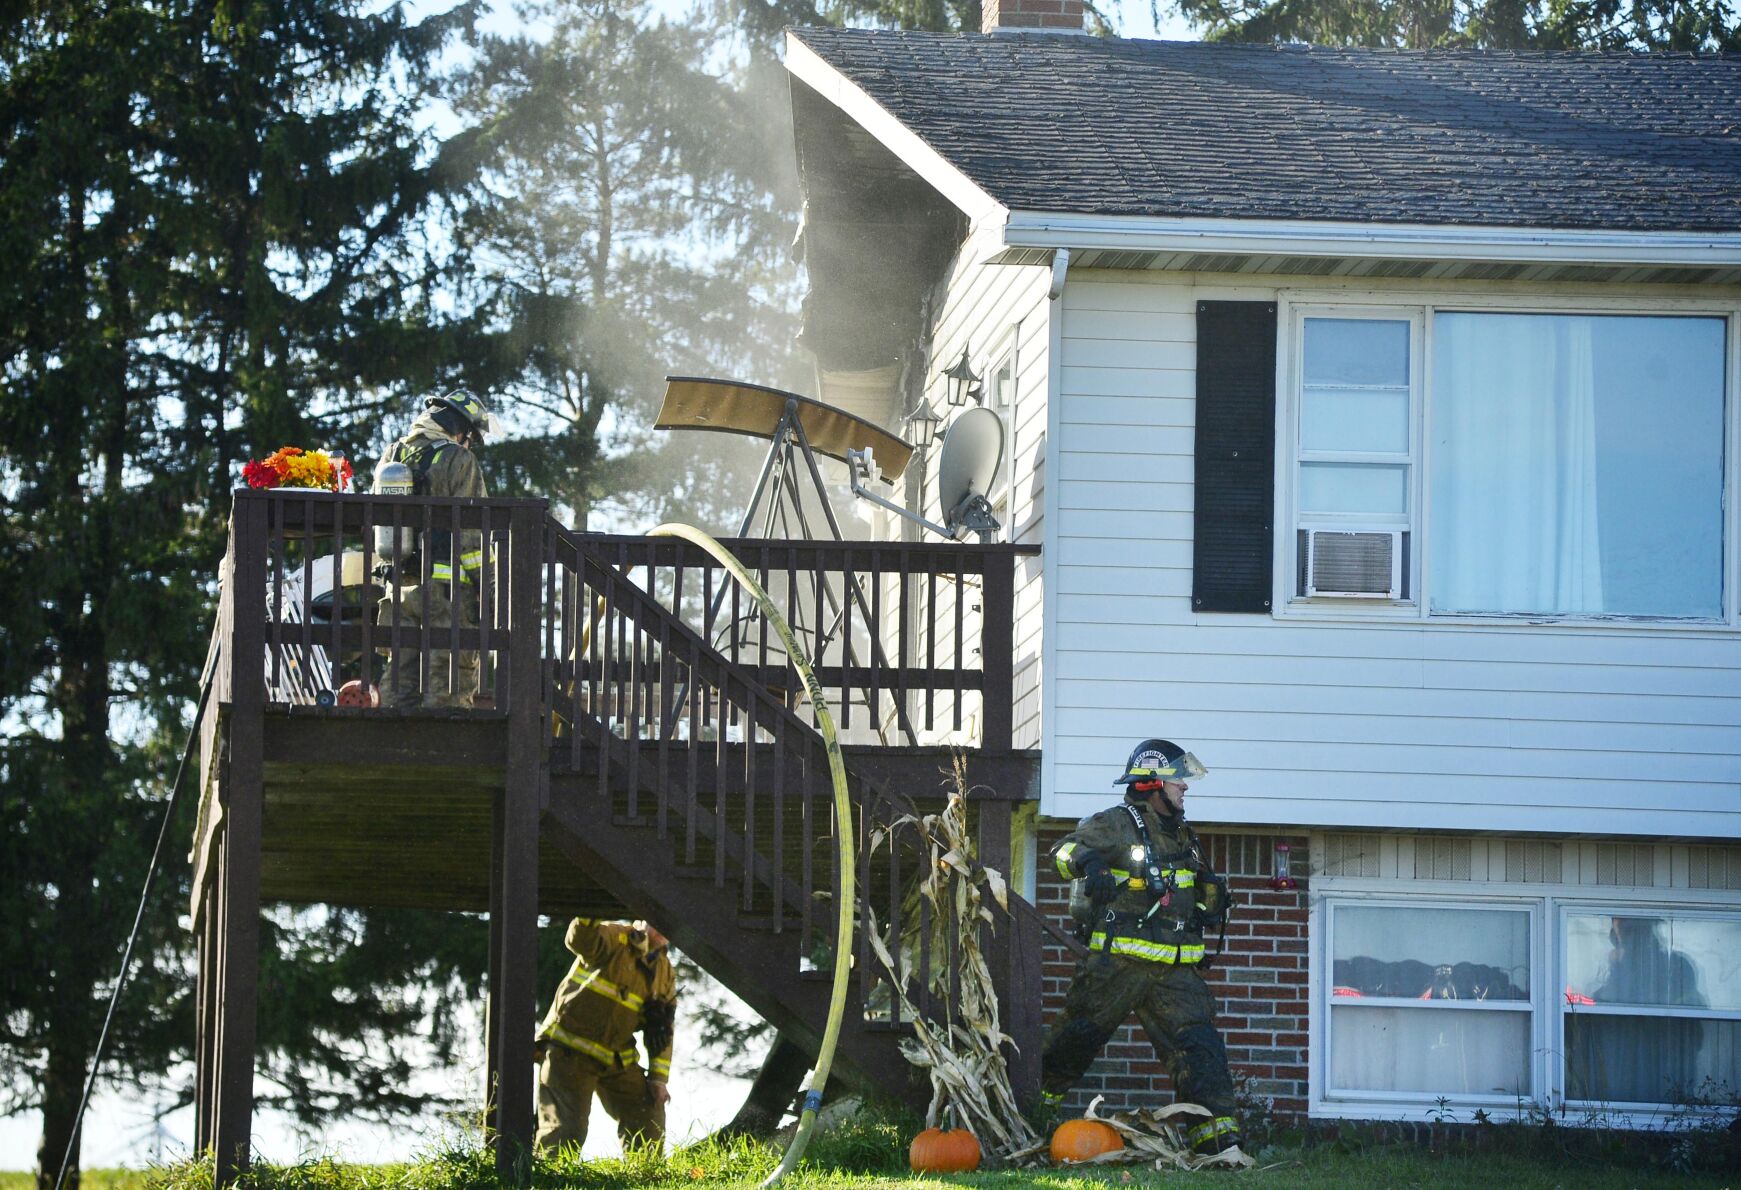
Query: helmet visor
x,y
1153,766
489,425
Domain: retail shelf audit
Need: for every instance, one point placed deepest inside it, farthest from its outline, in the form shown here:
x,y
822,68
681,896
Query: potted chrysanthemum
x,y
294,467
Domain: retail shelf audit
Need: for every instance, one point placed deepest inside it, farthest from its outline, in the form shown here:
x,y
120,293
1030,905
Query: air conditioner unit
x,y
1353,564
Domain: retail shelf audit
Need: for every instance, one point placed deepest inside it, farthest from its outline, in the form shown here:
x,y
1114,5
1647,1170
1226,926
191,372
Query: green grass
x,y
869,1152
1325,1166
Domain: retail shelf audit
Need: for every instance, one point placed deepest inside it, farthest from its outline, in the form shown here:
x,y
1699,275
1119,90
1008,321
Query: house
x,y
1375,415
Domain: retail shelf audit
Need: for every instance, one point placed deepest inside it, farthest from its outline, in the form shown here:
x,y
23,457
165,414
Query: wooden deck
x,y
645,756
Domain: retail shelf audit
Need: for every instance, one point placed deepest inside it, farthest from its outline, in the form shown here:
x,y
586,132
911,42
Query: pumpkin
x,y
1084,1140
937,1151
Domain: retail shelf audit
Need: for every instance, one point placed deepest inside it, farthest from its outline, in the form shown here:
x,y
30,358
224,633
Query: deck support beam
x,y
1014,961
236,930
513,1003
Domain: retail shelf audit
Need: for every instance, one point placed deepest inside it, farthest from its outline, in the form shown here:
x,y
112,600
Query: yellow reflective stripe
x,y
661,1066
1219,1126
471,559
1181,877
1142,948
591,1049
592,981
1062,860
442,572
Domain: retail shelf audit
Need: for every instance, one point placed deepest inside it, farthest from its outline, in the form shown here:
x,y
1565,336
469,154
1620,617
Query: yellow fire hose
x,y
846,894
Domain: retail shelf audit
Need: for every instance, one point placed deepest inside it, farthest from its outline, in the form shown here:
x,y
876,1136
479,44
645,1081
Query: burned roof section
x,y
1100,126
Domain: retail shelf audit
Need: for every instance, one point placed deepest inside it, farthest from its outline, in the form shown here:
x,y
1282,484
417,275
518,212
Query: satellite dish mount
x,y
972,454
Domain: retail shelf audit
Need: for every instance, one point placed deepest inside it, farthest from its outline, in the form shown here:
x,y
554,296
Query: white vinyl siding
x,y
994,312
1345,718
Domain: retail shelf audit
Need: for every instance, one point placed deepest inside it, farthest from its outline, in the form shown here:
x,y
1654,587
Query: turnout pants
x,y
1176,1010
566,1084
404,689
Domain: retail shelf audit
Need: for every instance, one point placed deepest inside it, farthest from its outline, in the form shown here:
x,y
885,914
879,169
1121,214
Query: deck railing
x,y
905,638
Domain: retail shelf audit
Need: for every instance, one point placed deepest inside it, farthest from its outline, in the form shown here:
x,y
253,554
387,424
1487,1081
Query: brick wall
x,y
1063,16
1259,981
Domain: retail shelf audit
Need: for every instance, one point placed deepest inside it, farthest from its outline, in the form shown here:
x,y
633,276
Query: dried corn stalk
x,y
963,1053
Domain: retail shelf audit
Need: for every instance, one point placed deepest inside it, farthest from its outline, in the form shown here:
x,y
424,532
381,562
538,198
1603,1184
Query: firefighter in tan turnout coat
x,y
438,450
621,983
1142,893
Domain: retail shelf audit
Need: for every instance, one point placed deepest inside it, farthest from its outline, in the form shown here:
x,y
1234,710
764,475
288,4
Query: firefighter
x,y
438,450
1151,892
621,983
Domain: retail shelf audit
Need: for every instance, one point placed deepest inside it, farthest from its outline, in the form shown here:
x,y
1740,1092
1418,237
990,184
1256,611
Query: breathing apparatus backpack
x,y
404,471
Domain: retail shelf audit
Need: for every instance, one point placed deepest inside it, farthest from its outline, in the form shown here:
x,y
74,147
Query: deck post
x,y
512,1008
1012,951
205,1022
237,899
997,644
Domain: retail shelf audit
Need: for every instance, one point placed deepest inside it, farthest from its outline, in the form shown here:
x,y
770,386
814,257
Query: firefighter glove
x,y
1213,898
659,1025
1099,882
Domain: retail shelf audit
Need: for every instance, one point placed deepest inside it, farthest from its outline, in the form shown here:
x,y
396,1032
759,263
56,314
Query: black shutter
x,y
1234,541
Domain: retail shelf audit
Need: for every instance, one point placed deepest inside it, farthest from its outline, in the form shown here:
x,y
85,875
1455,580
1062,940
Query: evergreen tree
x,y
630,222
215,218
1474,24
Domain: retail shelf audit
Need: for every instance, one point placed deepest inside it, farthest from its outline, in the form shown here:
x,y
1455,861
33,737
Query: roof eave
x,y
808,67
1399,241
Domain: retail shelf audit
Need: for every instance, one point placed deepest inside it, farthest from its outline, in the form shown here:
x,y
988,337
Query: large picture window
x,y
1560,464
1430,1001
1653,1007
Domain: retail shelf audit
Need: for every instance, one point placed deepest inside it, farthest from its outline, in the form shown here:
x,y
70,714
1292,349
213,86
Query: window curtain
x,y
1515,525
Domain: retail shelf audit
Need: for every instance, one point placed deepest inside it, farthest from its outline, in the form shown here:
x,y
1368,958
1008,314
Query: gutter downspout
x,y
1060,266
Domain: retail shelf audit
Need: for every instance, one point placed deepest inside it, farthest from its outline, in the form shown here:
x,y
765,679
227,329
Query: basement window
x,y
1430,1000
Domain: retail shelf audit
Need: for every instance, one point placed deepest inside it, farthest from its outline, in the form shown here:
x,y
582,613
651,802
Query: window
x,y
1559,464
1653,1009
1001,399
1430,1000
1356,457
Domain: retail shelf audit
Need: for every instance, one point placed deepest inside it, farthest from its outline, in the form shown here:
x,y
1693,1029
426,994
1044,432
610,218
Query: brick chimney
x,y
1032,16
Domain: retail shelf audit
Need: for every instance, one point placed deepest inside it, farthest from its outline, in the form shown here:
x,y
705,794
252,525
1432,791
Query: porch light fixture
x,y
922,426
1283,877
964,382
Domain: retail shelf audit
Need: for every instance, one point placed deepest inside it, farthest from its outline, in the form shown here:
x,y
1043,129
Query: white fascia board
x,y
806,66
1398,241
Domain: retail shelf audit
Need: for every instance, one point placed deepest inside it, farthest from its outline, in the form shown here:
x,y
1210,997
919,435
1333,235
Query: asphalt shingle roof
x,y
1094,125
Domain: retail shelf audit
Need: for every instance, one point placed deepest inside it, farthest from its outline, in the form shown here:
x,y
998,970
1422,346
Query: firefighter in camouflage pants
x,y
1142,893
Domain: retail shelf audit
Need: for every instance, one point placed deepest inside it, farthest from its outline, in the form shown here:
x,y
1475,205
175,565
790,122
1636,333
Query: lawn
x,y
868,1162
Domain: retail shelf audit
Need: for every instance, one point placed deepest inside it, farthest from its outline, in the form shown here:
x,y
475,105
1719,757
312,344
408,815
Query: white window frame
x,y
1410,523
1568,907
1294,306
1548,905
1007,352
1394,1104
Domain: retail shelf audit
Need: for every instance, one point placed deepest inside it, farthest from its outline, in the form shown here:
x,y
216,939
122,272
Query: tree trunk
x,y
771,1095
61,1085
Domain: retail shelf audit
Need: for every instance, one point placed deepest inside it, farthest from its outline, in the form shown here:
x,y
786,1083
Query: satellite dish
x,y
972,454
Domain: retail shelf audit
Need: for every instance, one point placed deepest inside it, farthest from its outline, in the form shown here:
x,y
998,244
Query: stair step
x,y
696,872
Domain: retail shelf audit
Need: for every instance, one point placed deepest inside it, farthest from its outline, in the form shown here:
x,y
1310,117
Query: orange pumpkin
x,y
1083,1140
937,1151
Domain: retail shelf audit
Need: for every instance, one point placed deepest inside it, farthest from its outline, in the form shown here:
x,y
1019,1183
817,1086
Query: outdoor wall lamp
x,y
964,382
922,426
1283,877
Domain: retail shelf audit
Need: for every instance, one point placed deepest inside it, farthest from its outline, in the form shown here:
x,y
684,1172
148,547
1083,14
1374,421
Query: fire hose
x,y
846,894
